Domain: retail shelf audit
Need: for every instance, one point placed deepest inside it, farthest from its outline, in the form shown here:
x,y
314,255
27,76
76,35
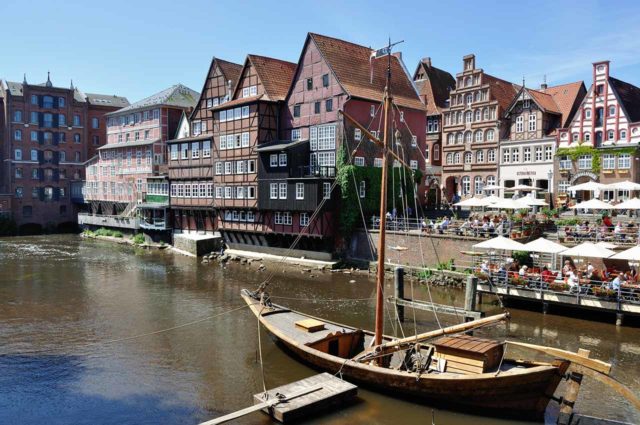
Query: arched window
x,y
459,138
478,185
587,137
623,134
587,113
449,158
436,152
478,136
466,185
467,81
468,158
575,136
491,155
477,96
485,113
492,112
468,117
467,136
459,117
479,156
612,111
478,115
456,158
451,138
469,99
489,135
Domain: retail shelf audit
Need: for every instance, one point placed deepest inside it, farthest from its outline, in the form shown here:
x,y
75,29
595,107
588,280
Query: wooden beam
x,y
374,139
613,383
575,358
438,308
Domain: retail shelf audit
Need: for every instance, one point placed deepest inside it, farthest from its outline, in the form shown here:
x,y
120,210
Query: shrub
x,y
138,239
116,234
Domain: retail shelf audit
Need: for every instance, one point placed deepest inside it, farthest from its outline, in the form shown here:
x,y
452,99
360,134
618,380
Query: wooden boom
x,y
574,358
402,343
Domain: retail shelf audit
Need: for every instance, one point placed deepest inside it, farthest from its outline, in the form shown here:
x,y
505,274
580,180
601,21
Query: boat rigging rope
x,y
264,382
128,338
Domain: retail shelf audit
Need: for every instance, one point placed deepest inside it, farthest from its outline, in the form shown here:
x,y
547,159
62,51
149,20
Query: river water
x,y
68,307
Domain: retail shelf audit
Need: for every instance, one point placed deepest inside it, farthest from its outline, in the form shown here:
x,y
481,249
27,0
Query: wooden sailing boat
x,y
458,372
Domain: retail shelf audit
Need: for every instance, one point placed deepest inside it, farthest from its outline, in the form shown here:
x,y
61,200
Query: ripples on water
x,y
62,296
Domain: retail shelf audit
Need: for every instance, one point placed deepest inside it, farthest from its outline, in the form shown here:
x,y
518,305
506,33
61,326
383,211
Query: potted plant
x,y
558,287
604,292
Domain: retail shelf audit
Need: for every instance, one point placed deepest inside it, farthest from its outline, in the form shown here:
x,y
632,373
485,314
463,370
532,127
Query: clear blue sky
x,y
136,48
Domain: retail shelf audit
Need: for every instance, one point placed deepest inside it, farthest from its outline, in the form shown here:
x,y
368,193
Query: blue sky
x,y
135,49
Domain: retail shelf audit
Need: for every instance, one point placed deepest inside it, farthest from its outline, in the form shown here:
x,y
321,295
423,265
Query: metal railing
x,y
625,237
313,171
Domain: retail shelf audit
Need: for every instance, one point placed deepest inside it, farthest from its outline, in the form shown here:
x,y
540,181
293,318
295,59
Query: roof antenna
x,y
48,83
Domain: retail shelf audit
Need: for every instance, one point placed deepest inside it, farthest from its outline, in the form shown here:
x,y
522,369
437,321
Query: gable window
x,y
328,105
519,124
309,83
197,128
325,80
296,111
299,190
533,122
600,89
359,161
587,113
599,117
245,92
612,111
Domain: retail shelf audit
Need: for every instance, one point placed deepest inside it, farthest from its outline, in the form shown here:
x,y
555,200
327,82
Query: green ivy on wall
x,y
575,152
350,215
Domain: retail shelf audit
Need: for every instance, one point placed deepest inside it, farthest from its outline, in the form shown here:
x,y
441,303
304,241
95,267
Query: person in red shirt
x,y
606,220
547,275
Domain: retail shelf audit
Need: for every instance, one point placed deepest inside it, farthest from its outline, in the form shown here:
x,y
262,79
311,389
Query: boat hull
x,y
520,392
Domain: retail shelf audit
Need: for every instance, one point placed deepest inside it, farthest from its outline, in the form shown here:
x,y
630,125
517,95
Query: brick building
x,y
433,85
191,154
601,141
116,181
474,122
46,135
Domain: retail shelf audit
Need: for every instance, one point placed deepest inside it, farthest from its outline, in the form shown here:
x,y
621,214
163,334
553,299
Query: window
x,y
76,138
76,120
325,80
519,124
326,190
485,114
433,125
491,180
18,173
377,162
538,153
34,136
34,118
184,150
587,113
95,123
282,192
17,135
449,159
466,185
35,174
296,111
309,83
548,153
219,168
299,190
228,167
251,166
413,164
19,192
491,155
273,160
17,116
478,185
563,186
478,136
533,122
316,108
459,138
245,112
478,115
174,152
362,189
228,192
278,218
328,105
585,162
156,114
479,156
490,133
565,163
436,152
612,111
608,162
515,155
469,99
426,156
467,137
357,135
304,219
359,161
599,89
295,134
414,141
623,135
526,153
456,158
34,99
468,117
468,158
195,150
401,116
372,111
245,92
624,161
47,120
63,156
587,137
219,192
506,156
526,103
244,140
206,149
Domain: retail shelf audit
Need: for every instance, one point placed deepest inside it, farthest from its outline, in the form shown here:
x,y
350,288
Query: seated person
x,y
573,280
567,268
617,282
484,267
590,270
523,271
547,275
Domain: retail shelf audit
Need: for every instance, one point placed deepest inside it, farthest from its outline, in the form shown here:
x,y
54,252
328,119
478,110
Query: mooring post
x,y
470,296
545,307
619,319
398,276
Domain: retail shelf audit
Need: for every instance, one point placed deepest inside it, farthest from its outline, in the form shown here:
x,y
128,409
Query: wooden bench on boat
x,y
466,354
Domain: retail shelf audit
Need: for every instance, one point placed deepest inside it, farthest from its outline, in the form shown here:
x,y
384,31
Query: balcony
x,y
313,171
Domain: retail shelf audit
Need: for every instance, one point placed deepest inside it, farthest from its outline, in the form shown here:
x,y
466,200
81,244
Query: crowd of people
x,y
604,230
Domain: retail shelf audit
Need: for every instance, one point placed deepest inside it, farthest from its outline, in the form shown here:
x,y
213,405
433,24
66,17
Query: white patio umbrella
x,y
630,204
631,254
588,250
523,187
509,204
471,202
488,200
593,204
606,244
500,243
625,185
592,186
493,187
544,246
534,202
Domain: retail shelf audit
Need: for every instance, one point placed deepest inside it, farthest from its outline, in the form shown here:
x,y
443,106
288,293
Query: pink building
x,y
116,178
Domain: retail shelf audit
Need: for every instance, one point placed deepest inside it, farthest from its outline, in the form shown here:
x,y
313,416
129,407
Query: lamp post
x,y
550,188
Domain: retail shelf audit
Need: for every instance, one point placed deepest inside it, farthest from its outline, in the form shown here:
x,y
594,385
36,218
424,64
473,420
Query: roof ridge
x,y
272,59
312,34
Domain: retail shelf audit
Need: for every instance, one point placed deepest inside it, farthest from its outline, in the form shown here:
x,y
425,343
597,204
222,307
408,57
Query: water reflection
x,y
62,295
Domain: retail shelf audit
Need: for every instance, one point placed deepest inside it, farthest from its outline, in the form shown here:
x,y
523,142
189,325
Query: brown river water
x,y
64,300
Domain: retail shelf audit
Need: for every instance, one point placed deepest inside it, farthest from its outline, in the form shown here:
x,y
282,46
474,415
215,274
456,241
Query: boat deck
x,y
286,320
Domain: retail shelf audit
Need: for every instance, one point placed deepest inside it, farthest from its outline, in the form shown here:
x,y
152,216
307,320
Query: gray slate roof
x,y
178,95
15,89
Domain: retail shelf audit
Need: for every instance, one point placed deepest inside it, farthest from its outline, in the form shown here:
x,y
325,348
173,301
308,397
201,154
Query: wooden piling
x,y
399,290
470,294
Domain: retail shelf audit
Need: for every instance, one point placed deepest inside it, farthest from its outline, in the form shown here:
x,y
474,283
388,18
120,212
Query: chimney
x,y
544,86
426,61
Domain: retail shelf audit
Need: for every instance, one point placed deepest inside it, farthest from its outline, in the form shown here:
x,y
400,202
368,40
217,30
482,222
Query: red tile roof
x,y
545,101
352,66
275,75
501,90
434,88
230,70
567,97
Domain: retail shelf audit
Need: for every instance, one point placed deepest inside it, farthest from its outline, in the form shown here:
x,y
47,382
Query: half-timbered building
x,y
192,153
601,141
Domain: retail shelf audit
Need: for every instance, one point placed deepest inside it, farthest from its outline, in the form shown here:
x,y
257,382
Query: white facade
x,y
527,162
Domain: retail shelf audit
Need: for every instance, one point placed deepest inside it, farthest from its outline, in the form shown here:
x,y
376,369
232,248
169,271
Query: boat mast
x,y
379,326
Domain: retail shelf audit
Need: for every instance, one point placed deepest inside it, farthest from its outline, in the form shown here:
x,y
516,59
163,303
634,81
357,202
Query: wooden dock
x,y
323,391
297,400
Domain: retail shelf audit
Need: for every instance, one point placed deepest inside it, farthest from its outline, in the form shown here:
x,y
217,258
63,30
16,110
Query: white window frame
x,y
282,191
624,161
359,161
533,122
282,160
299,191
273,160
